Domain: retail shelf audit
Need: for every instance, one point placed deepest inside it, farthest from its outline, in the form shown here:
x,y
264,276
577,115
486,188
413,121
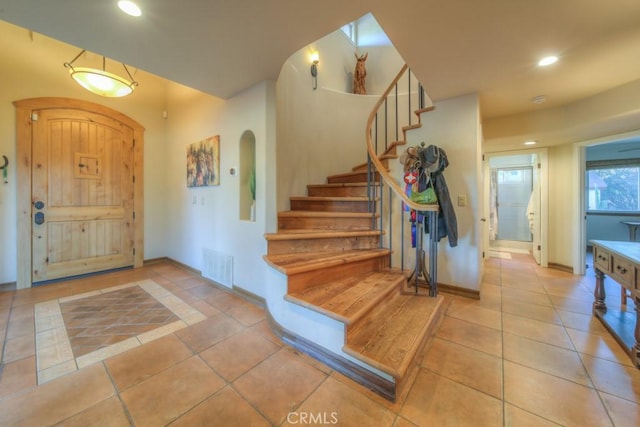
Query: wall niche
x,y
248,176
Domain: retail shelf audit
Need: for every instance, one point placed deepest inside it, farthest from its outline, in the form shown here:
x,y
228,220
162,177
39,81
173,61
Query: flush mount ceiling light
x,y
101,82
548,60
530,142
129,7
538,99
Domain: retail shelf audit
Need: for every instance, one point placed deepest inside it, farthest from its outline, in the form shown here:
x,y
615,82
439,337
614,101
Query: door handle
x,y
38,205
483,219
39,218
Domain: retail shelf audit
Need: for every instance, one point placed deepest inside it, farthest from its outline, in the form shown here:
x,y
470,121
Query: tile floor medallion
x,y
79,330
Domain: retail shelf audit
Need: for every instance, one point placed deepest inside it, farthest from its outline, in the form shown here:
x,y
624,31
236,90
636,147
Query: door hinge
x,y
134,179
34,117
134,215
134,251
134,142
483,157
482,254
539,247
539,166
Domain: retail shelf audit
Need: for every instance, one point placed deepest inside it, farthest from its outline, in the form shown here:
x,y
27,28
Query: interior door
x,y
82,193
514,192
535,209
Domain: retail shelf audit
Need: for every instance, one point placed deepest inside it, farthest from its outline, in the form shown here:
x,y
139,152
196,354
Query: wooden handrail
x,y
384,174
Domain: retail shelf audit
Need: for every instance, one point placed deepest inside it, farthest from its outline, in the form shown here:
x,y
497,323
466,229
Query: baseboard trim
x,y
450,289
243,293
458,291
249,296
10,286
367,379
173,261
152,261
560,267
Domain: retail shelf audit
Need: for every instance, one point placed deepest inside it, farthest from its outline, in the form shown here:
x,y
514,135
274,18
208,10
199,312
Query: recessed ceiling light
x,y
129,7
531,143
547,61
538,99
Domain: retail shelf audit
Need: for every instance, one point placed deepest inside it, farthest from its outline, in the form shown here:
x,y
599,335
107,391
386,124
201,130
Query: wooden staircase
x,y
330,251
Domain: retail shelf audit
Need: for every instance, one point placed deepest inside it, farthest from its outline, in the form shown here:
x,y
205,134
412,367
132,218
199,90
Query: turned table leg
x,y
635,350
599,293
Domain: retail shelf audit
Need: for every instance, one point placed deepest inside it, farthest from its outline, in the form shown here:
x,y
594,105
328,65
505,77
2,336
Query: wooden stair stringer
x,y
418,125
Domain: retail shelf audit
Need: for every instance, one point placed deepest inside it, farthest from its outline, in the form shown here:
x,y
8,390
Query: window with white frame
x,y
613,186
349,30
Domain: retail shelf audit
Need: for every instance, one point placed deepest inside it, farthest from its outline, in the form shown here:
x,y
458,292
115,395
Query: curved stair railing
x,y
380,177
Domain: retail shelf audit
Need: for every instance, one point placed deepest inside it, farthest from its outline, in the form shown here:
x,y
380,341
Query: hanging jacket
x,y
447,222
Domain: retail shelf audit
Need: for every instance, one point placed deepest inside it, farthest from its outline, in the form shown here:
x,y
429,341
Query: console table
x,y
633,228
621,262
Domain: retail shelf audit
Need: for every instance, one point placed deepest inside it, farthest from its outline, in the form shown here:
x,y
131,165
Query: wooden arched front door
x,y
79,189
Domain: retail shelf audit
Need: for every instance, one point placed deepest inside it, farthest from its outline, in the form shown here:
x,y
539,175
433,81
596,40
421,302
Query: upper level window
x,y
365,31
613,186
350,31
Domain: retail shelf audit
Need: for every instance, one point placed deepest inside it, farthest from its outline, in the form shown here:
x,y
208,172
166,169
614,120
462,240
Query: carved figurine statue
x,y
359,75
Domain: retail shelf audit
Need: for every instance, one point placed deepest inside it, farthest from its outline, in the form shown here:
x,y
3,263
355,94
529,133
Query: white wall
x,y
562,177
32,67
322,132
337,63
213,221
608,227
454,125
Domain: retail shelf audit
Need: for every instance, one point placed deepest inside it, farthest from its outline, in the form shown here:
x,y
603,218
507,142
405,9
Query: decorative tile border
x,y
54,357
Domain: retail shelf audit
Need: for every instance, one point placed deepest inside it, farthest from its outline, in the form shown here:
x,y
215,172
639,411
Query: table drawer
x,y
623,272
602,259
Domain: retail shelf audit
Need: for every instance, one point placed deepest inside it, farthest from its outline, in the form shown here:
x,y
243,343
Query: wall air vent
x,y
217,266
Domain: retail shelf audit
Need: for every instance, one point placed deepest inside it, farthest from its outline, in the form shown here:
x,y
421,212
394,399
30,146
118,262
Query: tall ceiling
x,y
455,47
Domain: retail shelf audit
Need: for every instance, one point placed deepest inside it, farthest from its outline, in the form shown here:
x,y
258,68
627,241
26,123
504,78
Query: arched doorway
x,y
80,189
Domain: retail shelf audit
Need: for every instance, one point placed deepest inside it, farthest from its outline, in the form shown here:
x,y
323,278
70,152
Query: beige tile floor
x,y
527,354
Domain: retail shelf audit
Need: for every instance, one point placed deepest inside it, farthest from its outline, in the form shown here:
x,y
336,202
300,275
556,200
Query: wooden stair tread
x,y
389,337
295,263
325,214
350,298
293,234
338,185
346,174
330,199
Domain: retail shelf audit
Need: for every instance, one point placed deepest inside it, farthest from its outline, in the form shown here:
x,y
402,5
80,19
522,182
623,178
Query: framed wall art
x,y
203,162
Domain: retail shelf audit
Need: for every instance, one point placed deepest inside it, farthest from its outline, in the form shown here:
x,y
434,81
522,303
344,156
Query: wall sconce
x,y
315,59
